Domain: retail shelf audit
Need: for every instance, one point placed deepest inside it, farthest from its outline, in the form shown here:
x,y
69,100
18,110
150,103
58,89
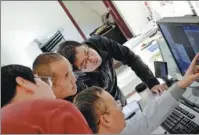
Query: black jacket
x,y
106,77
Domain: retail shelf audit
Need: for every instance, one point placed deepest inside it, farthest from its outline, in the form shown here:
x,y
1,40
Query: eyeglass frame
x,y
45,77
83,66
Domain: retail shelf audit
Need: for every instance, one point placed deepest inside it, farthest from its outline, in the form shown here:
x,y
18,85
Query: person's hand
x,y
191,75
158,89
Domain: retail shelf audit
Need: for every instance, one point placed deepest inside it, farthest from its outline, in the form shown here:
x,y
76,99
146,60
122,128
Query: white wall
x,y
23,21
87,14
196,6
134,13
171,8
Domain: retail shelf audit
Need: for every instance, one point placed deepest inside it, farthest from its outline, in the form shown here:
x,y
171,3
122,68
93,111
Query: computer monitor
x,y
173,70
182,37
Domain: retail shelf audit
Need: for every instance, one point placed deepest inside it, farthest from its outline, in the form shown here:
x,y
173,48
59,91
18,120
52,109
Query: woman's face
x,y
87,59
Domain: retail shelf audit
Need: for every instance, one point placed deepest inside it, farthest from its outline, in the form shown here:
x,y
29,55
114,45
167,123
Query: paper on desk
x,y
130,108
134,97
159,130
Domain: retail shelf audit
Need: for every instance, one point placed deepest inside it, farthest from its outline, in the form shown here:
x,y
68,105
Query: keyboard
x,y
179,122
188,103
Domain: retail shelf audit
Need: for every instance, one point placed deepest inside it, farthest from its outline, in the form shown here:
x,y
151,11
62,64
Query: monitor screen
x,y
183,41
161,70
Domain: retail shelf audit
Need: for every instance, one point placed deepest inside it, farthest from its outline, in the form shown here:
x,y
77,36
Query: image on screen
x,y
183,41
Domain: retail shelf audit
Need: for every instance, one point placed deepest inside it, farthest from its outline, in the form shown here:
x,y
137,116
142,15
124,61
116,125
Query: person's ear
x,y
105,120
26,85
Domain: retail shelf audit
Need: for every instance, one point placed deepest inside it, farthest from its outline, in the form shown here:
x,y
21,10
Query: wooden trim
x,y
118,19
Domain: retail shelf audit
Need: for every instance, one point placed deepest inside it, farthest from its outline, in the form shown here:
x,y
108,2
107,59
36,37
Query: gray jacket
x,y
154,113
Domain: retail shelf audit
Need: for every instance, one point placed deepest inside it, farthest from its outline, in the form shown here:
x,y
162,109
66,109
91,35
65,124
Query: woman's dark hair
x,y
67,49
89,103
9,74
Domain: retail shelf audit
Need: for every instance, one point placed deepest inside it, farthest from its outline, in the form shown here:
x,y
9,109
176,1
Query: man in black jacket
x,y
94,58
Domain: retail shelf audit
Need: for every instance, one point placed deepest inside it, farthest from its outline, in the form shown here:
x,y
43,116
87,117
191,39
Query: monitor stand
x,y
169,81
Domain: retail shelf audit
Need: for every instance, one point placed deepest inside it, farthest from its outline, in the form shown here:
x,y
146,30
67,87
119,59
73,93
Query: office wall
x,y
87,14
196,6
134,14
23,21
171,8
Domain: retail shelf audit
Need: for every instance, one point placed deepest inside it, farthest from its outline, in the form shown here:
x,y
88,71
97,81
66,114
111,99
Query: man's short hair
x,y
67,49
41,64
9,73
90,104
